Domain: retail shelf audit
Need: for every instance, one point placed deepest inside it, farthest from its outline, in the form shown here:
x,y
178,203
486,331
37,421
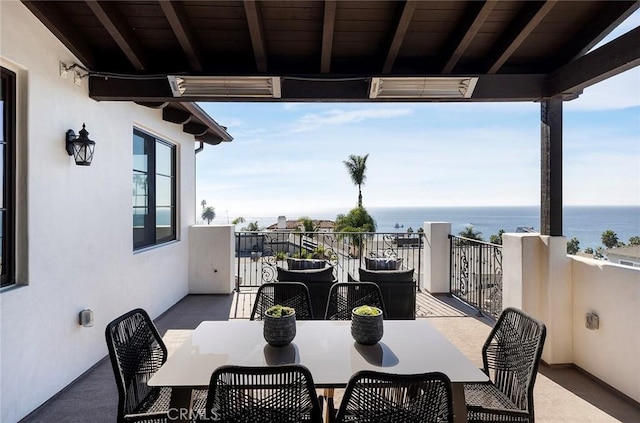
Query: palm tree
x,y
308,227
208,214
203,203
573,246
610,239
238,220
252,227
471,234
357,166
497,238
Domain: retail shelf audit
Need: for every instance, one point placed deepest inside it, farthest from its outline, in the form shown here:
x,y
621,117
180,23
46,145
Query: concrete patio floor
x,y
562,395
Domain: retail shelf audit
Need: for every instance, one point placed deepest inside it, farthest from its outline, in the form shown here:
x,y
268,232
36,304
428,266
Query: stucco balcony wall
x,y
611,352
211,259
560,289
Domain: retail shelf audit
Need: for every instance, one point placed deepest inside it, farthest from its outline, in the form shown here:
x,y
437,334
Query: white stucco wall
x,y
560,289
537,279
211,259
611,352
436,257
79,224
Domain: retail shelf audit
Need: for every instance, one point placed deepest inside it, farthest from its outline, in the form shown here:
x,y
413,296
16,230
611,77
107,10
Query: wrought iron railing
x,y
258,254
476,274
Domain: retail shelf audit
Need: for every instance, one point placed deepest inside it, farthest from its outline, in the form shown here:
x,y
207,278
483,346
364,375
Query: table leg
x,y
328,393
459,404
180,405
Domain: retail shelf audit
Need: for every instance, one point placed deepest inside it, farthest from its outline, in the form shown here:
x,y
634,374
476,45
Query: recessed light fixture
x,y
222,86
422,87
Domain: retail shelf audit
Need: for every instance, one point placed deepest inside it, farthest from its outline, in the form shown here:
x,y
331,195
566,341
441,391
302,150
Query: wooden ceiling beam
x,y
116,25
174,12
402,25
613,58
599,26
467,30
522,26
173,115
194,128
209,138
256,31
498,87
328,25
153,104
63,29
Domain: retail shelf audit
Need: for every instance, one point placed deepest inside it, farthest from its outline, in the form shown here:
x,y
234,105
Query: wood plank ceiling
x,y
330,50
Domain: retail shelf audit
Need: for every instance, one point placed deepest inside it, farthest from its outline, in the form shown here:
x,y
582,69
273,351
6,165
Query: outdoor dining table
x,y
326,348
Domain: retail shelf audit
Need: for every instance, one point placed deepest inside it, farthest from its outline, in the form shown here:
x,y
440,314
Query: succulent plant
x,y
279,311
366,310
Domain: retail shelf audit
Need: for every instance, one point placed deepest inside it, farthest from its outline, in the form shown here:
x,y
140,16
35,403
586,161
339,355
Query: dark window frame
x,y
150,235
8,231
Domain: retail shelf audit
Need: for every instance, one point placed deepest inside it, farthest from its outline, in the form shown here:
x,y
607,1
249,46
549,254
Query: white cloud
x,y
619,92
313,121
297,106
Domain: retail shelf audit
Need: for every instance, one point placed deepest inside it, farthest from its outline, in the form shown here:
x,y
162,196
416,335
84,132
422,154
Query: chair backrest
x,y
276,394
512,353
344,296
383,397
136,351
290,294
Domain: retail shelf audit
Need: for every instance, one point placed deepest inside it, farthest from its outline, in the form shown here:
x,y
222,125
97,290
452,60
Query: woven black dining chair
x,y
345,296
137,351
289,294
277,394
510,356
384,397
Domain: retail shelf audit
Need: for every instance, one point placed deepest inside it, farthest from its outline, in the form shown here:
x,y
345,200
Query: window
x,y
7,174
154,190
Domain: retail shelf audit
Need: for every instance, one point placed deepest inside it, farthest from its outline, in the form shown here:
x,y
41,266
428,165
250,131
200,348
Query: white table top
x,y
326,348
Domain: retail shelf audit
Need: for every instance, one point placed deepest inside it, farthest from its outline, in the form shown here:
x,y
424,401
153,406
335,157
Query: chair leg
x,y
180,404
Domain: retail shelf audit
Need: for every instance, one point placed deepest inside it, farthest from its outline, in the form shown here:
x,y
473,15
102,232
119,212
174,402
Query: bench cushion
x,y
303,264
386,275
308,275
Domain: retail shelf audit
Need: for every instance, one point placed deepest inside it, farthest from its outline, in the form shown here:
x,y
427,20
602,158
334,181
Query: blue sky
x,y
286,158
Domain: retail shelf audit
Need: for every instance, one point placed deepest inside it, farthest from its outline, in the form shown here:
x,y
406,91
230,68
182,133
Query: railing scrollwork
x,y
476,274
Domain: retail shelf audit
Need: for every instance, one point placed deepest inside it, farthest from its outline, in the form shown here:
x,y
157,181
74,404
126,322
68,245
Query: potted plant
x,y
366,324
279,325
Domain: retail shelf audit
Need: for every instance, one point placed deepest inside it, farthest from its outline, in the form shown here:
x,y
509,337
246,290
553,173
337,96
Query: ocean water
x,y
587,223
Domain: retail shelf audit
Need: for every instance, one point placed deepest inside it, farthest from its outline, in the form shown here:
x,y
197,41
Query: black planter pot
x,y
279,331
367,330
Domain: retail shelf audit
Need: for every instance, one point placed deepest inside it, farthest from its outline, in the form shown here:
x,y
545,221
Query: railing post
x,y
451,277
479,279
237,240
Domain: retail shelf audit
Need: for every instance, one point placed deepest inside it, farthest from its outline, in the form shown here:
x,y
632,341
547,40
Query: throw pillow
x,y
383,263
303,264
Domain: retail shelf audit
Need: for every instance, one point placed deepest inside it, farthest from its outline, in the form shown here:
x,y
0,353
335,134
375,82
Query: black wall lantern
x,y
80,147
